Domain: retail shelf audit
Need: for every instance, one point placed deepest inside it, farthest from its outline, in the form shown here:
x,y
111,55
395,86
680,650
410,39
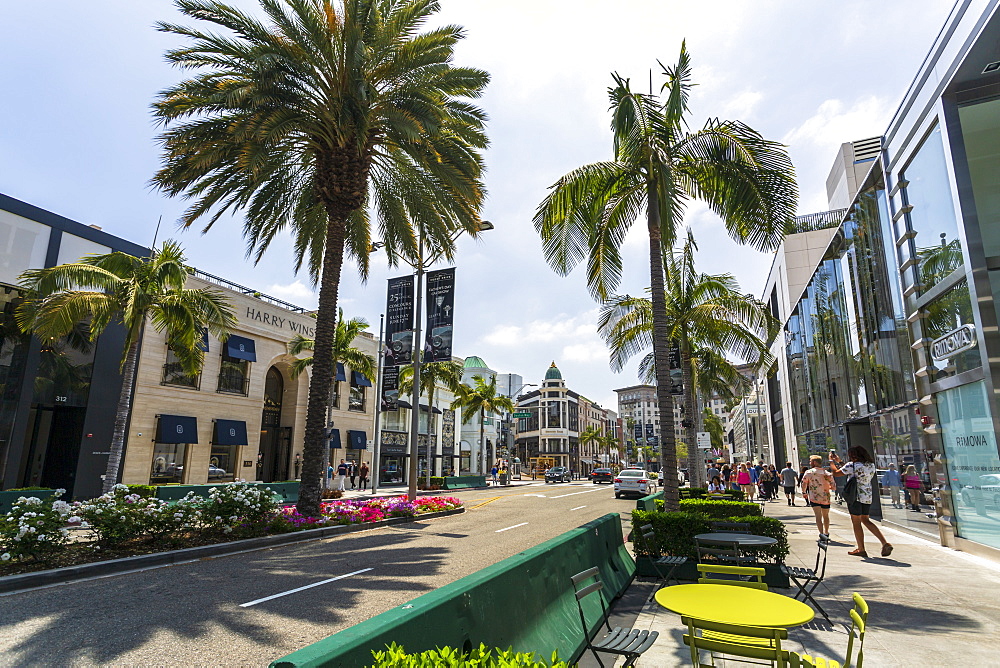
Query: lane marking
x,y
587,491
509,528
540,496
298,589
578,507
485,502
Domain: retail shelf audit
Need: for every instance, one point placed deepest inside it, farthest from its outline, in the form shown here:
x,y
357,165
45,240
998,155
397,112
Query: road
x,y
251,608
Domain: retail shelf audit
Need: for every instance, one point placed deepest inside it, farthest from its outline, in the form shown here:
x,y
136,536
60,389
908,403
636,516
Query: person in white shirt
x,y
861,467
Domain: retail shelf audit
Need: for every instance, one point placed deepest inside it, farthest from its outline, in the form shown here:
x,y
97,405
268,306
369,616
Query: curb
x,y
14,583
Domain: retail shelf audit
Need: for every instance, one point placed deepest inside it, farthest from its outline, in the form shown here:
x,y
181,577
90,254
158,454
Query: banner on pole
x,y
440,315
398,348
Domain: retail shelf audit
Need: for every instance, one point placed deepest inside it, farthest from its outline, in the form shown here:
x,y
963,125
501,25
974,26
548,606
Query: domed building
x,y
551,435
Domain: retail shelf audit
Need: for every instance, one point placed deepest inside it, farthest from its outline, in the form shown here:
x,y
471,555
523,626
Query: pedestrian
x,y
788,478
911,480
861,468
774,482
745,482
352,472
329,475
892,480
713,472
725,475
716,486
817,483
341,476
363,476
493,471
766,476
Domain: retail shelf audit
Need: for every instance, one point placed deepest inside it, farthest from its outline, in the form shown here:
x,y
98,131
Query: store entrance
x,y
53,445
275,440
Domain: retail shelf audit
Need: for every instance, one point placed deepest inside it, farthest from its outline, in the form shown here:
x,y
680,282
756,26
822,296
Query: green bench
x,y
464,482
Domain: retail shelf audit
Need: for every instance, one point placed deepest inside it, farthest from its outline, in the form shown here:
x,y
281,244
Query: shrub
x,y
240,505
145,491
34,529
449,657
330,494
719,510
675,532
437,480
121,515
702,492
30,489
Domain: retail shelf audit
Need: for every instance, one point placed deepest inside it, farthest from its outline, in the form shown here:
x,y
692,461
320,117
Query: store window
x,y
937,248
949,313
981,132
973,464
168,463
174,373
357,398
234,376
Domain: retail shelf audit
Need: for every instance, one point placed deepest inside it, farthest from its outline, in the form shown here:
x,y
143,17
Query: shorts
x,y
819,505
789,489
858,508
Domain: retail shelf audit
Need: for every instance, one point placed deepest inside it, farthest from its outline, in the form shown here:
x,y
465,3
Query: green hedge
x,y
675,532
717,508
702,492
449,657
145,491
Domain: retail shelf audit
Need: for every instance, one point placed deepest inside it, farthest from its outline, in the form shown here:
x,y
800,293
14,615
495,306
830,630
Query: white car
x,y
633,481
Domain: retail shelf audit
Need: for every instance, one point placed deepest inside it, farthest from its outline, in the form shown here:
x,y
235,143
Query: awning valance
x,y
334,439
230,432
241,348
341,374
359,380
177,429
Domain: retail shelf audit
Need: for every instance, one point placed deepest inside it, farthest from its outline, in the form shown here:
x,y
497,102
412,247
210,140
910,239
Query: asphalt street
x,y
251,608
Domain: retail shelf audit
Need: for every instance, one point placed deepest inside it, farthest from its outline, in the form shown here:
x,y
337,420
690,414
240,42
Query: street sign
x,y
704,440
522,415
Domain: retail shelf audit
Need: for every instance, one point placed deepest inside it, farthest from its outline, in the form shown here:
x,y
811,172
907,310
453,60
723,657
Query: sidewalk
x,y
929,605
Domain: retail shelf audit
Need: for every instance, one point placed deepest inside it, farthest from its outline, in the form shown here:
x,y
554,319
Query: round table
x,y
729,604
744,539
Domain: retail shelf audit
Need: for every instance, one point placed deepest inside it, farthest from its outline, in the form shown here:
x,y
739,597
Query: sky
x,y
77,138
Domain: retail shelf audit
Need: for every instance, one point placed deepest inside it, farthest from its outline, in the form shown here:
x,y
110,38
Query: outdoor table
x,y
729,604
744,539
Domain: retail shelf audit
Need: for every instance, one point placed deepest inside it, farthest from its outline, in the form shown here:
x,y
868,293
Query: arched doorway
x,y
275,440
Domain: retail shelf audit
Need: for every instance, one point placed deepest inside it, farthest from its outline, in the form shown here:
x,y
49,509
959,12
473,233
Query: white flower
x,y
5,556
59,492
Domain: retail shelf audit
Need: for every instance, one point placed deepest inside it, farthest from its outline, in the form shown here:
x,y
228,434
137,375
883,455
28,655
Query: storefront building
x,y
55,426
243,416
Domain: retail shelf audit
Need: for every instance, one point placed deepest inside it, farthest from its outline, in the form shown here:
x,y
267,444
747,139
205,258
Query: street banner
x,y
637,429
676,373
440,315
398,348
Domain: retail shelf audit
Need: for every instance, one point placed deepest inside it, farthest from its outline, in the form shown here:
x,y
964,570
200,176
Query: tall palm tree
x,y
481,398
120,289
658,166
590,436
708,318
303,122
609,442
433,375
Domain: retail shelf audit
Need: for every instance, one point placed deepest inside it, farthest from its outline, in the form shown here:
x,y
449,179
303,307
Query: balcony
x,y
233,381
175,375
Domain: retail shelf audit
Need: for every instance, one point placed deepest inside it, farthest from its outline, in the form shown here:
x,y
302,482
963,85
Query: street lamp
x,y
512,396
420,265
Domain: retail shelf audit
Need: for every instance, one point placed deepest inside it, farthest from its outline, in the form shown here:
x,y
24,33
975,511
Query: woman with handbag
x,y
860,472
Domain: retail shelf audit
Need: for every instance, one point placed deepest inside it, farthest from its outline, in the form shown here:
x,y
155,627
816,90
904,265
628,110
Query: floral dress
x,y
817,484
864,473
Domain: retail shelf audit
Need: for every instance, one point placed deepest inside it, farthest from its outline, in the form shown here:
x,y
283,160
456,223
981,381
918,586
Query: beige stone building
x,y
244,415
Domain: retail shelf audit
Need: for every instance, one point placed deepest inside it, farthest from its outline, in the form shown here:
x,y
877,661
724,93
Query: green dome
x,y
553,373
474,363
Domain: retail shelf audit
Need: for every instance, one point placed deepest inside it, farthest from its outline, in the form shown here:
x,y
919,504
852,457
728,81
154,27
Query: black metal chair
x,y
659,563
807,579
630,643
730,527
726,552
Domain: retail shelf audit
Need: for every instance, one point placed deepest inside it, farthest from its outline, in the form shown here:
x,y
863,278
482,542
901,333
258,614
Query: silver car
x,y
633,481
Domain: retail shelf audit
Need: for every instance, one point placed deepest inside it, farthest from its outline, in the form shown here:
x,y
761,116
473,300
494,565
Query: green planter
x,y
464,481
689,572
8,498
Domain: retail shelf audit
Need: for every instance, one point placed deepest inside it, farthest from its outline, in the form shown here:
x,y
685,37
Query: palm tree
x,y
590,436
344,352
658,166
433,375
609,442
480,398
120,289
713,425
303,122
708,318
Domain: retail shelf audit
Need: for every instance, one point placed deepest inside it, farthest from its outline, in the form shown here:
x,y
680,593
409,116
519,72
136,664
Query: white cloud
x,y
590,351
834,122
296,292
741,107
559,328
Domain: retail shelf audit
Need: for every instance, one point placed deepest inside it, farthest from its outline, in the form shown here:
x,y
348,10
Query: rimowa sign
x,y
954,342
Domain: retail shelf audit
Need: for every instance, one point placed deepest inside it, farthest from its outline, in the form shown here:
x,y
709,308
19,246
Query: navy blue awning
x,y
423,407
230,432
359,380
241,348
334,438
177,429
358,439
341,374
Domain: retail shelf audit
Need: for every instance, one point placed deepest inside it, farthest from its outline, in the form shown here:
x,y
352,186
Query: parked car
x,y
558,474
632,481
987,490
601,475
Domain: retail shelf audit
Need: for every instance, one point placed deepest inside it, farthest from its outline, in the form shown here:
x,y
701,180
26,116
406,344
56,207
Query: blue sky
x,y
77,138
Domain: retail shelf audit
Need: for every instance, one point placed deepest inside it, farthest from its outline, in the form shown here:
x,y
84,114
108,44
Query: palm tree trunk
x,y
661,348
696,468
121,418
482,441
314,448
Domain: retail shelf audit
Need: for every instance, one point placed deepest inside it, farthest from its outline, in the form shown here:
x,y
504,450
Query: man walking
x,y
892,480
352,471
788,477
363,476
341,476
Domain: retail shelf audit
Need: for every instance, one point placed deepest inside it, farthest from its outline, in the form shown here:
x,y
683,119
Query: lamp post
x,y
512,396
420,265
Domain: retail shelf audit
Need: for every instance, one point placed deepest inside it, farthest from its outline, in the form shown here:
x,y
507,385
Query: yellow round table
x,y
729,604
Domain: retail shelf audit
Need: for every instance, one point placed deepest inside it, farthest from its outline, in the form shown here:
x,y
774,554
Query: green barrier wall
x,y
525,602
464,481
8,498
648,503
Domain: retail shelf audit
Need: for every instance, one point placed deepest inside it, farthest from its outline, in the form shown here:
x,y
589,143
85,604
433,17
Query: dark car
x,y
602,475
558,474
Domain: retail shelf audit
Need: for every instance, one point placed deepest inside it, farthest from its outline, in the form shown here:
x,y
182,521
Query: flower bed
x,y
47,533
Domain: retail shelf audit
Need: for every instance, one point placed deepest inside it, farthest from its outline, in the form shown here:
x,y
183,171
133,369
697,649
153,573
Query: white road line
x,y
509,528
297,589
540,496
578,507
588,491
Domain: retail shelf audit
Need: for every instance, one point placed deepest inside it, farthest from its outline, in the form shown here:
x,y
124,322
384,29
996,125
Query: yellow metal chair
x,y
746,642
859,620
740,576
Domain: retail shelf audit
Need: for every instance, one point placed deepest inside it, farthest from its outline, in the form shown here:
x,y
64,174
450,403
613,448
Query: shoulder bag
x,y
850,491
